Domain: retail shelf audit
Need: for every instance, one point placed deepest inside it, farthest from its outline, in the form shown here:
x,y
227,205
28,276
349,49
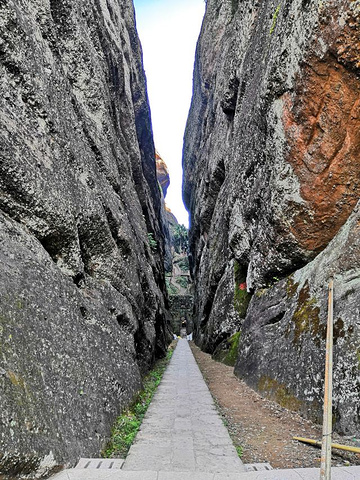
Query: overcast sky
x,y
168,31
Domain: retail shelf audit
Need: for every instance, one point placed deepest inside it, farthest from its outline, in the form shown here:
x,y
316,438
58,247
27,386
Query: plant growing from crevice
x,y
274,18
241,296
239,450
152,242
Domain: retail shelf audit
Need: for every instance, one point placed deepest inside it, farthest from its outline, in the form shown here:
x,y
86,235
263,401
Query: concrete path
x,y
183,438
182,431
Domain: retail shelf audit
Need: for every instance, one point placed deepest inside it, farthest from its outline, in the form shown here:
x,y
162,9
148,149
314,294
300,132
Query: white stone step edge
x,y
257,467
338,473
100,463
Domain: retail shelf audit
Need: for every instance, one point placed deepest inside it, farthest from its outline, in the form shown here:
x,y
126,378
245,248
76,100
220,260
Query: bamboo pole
x,y
347,448
325,469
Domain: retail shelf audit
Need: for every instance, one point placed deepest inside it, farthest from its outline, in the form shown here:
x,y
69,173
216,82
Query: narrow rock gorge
x,y
272,184
83,311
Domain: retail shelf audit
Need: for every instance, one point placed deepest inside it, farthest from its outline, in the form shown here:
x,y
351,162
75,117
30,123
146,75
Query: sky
x,y
168,30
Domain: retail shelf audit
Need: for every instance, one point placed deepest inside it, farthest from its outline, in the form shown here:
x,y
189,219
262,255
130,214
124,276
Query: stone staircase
x,y
183,437
110,469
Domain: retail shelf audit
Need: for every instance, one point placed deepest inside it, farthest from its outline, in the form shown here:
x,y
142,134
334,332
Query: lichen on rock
x,y
271,181
83,310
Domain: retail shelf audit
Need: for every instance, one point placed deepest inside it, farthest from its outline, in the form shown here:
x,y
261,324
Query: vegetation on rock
x,y
182,281
171,289
181,241
183,263
275,16
306,319
241,295
152,242
271,179
227,351
280,393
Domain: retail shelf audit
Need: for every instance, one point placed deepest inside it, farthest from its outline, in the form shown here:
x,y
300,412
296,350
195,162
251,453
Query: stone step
x,y
100,463
257,467
117,463
337,473
106,474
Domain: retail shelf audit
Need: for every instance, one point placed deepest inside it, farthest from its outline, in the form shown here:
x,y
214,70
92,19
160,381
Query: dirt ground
x,y
261,427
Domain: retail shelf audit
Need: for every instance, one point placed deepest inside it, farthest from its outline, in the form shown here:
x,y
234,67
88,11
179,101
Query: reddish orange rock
x,y
162,173
322,125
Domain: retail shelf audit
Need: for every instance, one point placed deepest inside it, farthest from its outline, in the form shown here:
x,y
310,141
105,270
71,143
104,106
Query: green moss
x,y
291,287
241,296
227,352
5,320
19,304
274,19
259,293
231,356
241,301
278,392
239,450
306,319
234,6
16,380
152,242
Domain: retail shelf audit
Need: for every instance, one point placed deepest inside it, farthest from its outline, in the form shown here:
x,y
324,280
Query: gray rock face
x,y
82,311
271,168
282,350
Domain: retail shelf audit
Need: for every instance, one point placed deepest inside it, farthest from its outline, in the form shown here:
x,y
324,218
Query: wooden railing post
x,y
325,470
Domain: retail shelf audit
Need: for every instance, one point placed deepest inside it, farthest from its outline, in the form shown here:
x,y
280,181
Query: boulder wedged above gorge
x,y
271,164
162,174
82,311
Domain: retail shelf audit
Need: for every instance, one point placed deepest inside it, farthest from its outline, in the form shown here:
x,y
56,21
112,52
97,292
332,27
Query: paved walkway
x,y
183,438
182,430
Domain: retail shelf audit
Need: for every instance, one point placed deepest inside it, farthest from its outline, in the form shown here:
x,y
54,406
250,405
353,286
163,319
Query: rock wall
x,y
163,178
82,310
271,159
283,337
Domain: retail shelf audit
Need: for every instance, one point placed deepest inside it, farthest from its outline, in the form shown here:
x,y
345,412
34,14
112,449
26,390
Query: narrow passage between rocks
x,y
183,437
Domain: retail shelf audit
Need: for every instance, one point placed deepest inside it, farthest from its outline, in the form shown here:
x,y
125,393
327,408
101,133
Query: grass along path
x,y
128,423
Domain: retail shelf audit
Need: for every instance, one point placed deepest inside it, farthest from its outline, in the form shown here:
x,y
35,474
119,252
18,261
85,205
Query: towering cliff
x,y
82,309
272,170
